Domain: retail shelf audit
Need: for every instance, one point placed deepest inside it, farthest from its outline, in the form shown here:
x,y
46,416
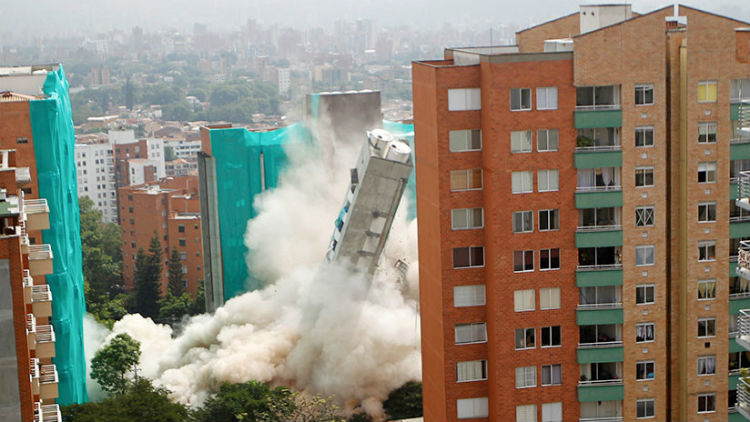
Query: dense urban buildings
x,y
578,237
36,133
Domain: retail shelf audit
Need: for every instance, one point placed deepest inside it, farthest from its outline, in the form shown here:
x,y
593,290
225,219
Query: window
x,y
707,91
472,408
184,269
180,228
470,179
466,218
520,141
22,140
644,370
551,336
644,255
644,216
525,338
644,94
594,296
524,300
523,221
603,178
526,413
549,298
644,136
739,360
707,250
183,256
526,376
473,370
549,259
547,140
707,365
520,99
464,99
707,212
471,333
471,256
469,296
644,176
182,242
549,220
551,375
548,180
707,327
707,172
546,98
644,408
130,210
522,181
706,289
738,286
552,412
644,332
523,261
598,97
707,132
740,90
706,403
465,140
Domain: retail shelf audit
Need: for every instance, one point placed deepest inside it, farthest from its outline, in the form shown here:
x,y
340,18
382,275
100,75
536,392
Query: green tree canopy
x,y
405,402
148,279
250,401
113,362
176,282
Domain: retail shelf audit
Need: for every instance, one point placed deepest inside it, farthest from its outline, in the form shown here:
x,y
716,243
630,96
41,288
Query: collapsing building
x,y
377,184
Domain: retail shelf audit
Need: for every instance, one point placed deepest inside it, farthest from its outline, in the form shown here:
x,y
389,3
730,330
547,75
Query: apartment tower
x,y
576,224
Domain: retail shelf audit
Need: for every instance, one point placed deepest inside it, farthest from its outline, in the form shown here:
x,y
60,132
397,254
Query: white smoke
x,y
315,328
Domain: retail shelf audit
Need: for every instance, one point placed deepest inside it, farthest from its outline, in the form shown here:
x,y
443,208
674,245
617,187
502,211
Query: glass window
x,y
526,413
522,181
471,333
465,140
525,338
546,140
644,94
549,259
526,376
546,98
469,296
707,132
549,220
707,365
551,336
644,408
470,179
644,332
548,180
524,300
467,218
707,91
644,136
707,250
472,408
644,255
472,256
707,172
523,221
644,216
552,412
549,298
740,90
644,370
644,176
473,370
707,212
520,99
551,375
464,99
520,141
706,289
707,403
523,261
707,327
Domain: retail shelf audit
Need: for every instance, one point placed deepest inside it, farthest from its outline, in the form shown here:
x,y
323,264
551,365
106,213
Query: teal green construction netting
x,y
238,179
54,143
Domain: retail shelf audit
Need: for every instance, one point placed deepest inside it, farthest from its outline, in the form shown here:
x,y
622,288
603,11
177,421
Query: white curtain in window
x,y
549,298
586,178
522,181
608,175
526,413
469,295
469,333
472,408
552,412
523,300
470,370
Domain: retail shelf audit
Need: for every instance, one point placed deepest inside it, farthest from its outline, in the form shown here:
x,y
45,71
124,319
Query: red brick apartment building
x,y
168,207
577,230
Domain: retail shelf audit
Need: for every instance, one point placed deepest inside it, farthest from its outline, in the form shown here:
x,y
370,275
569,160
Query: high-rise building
x,y
95,168
36,122
577,233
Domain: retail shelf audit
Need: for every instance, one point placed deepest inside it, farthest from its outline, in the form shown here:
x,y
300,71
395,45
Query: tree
x,y
113,362
237,402
172,308
148,279
299,407
141,401
405,402
176,284
169,154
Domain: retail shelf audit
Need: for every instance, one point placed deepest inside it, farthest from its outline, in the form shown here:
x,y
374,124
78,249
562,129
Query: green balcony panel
x,y
599,239
599,316
734,112
587,393
733,381
600,354
739,152
596,159
598,118
599,199
732,269
736,417
734,347
733,190
739,229
599,278
736,304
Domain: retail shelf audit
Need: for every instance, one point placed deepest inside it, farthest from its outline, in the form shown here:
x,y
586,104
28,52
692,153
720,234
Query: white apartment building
x,y
187,150
95,168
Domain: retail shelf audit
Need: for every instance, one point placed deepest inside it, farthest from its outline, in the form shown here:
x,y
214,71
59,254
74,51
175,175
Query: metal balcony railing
x,y
743,260
45,334
35,206
602,419
48,374
598,188
594,345
601,382
599,228
743,190
40,251
30,323
34,367
743,329
589,306
597,107
597,148
41,293
743,398
47,413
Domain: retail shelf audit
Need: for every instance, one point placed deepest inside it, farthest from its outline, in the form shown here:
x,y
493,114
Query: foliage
x,y
250,401
176,283
199,302
113,362
178,110
405,402
128,91
172,308
139,402
299,407
148,279
169,154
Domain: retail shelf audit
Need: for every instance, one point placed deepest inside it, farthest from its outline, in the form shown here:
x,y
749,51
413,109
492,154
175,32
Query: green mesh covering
x,y
54,143
238,179
406,131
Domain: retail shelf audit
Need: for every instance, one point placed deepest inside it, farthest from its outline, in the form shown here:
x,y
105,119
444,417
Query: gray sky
x,y
27,18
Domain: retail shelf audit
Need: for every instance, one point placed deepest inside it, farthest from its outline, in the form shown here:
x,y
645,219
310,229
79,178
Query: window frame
x,y
707,245
547,138
644,88
653,331
708,130
519,92
547,173
707,171
549,291
551,212
705,397
469,216
645,288
545,90
550,331
521,215
518,300
707,323
483,363
708,282
643,172
638,371
710,208
707,84
525,332
550,259
455,333
524,263
644,130
469,139
530,174
467,95
471,265
706,358
519,137
645,211
484,295
646,408
526,377
469,175
550,368
653,255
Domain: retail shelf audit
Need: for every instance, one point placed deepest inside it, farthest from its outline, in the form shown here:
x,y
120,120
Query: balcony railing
x,y
743,191
595,148
602,419
47,412
41,300
34,374
743,259
28,283
743,328
601,382
743,398
40,259
601,228
610,343
588,306
48,389
37,213
31,331
45,341
598,188
597,107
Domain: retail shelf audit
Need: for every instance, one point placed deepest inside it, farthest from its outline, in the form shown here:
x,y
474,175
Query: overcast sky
x,y
27,18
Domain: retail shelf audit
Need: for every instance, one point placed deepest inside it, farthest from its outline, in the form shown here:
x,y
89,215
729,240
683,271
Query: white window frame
x,y
708,206
555,408
553,380
522,215
525,377
521,142
467,217
469,173
524,188
549,328
642,89
521,298
644,131
544,135
644,325
638,370
466,136
464,99
519,92
472,295
482,370
645,288
708,129
644,170
525,346
521,411
479,326
551,179
707,84
705,397
709,170
545,97
549,259
477,407
645,403
707,322
639,254
525,252
706,359
707,288
707,244
642,214
550,212
471,265
546,294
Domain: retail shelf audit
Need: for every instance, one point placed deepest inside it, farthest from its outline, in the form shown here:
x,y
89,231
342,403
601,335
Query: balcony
x,y
589,277
34,374
597,393
598,107
600,343
743,260
45,341
40,259
602,419
47,413
743,398
612,314
601,411
37,214
739,229
28,283
31,331
739,151
48,382
743,329
599,236
599,258
41,301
